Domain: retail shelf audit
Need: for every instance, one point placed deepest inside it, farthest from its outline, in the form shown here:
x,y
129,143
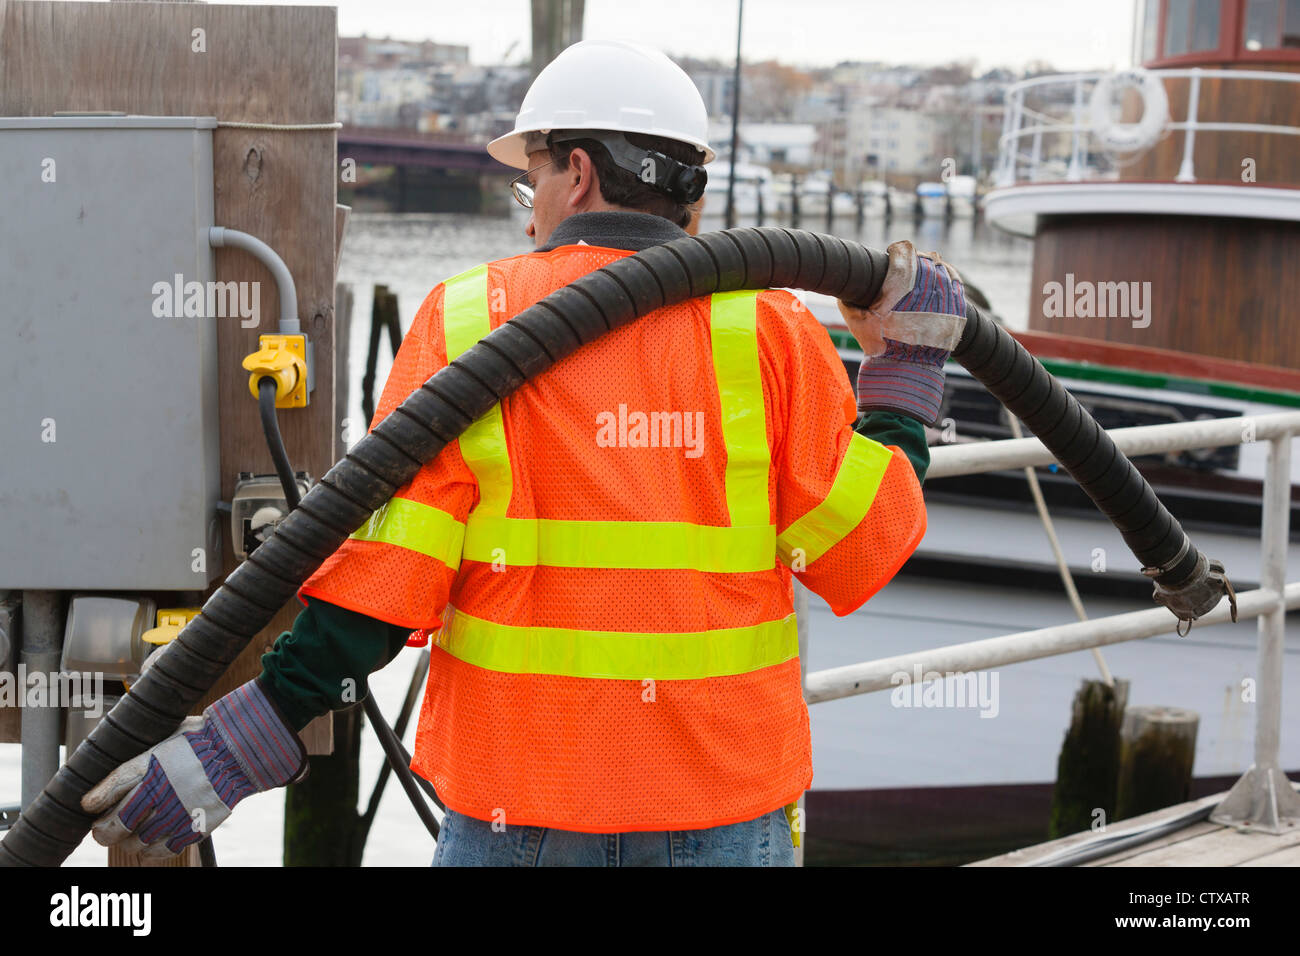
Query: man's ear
x,y
584,183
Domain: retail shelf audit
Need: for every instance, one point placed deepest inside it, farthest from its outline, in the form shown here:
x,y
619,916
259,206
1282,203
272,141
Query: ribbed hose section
x,y
1082,447
443,407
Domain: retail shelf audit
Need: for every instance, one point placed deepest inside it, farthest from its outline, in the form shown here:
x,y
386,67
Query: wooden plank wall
x,y
1219,287
258,64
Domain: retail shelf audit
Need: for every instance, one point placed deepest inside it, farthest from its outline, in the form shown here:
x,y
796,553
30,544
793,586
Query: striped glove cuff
x,y
907,379
261,742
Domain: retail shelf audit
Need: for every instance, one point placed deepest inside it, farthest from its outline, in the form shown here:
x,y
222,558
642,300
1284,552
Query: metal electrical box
x,y
109,444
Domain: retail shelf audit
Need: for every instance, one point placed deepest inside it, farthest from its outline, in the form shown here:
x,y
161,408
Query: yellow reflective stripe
x,y
416,527
677,545
844,506
618,655
733,330
465,320
465,310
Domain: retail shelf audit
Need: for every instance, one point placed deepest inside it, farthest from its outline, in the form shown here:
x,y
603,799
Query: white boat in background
x,y
875,198
782,191
961,197
814,195
753,196
902,204
843,203
933,198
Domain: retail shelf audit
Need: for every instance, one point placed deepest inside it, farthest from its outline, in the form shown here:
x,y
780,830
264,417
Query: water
x,y
412,253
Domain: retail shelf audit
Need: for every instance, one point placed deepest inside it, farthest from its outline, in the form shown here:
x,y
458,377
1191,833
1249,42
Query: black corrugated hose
x,y
521,349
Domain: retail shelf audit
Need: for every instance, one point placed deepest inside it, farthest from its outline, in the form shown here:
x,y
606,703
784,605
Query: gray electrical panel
x,y
109,444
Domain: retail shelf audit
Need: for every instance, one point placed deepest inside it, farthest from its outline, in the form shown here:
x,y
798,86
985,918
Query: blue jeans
x,y
466,841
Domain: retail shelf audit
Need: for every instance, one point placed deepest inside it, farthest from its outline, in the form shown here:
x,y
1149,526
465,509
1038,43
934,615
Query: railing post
x,y
1037,156
1263,798
1074,172
1187,171
1010,141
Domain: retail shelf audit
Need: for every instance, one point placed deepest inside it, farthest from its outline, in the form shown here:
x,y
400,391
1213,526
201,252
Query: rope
x,y
1066,577
288,127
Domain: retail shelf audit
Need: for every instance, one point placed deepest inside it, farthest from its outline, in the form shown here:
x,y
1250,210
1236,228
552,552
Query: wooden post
x,y
321,823
383,318
1088,767
1157,749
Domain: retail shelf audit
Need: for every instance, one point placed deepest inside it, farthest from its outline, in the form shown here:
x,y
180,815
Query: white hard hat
x,y
608,85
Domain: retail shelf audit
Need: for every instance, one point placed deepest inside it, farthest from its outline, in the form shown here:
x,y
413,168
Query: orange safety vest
x,y
604,560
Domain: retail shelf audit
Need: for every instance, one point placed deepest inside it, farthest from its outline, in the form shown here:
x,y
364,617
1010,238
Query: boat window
x,y
1272,25
1150,30
1191,26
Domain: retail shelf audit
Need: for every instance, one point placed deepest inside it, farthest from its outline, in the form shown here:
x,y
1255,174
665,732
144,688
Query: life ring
x,y
1129,137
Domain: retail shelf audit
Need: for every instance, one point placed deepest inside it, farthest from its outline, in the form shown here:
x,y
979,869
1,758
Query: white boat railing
x,y
1057,132
1257,798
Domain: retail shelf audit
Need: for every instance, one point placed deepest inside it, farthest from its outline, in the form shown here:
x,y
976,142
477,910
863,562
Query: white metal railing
x,y
1058,129
1261,800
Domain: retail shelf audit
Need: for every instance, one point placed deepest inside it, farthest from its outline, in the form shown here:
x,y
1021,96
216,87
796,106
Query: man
x,y
603,561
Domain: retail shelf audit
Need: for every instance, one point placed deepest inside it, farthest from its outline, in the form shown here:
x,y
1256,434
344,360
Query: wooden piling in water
x,y
1088,768
1157,749
383,318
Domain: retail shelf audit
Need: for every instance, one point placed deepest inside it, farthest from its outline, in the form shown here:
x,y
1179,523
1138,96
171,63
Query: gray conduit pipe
x,y
41,652
219,236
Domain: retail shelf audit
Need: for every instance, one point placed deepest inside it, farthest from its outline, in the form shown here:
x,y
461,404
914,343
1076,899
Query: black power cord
x,y
274,442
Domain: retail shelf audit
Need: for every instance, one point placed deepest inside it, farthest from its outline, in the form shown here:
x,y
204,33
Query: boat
x,y
985,569
753,197
933,200
961,197
815,192
902,204
875,198
843,203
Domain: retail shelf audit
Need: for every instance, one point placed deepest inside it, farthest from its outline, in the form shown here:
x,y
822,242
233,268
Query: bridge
x,y
407,148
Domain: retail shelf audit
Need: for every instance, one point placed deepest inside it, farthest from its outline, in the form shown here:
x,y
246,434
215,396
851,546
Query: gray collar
x,y
632,231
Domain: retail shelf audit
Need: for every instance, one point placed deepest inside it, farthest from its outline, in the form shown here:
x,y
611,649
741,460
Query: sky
x,y
1069,34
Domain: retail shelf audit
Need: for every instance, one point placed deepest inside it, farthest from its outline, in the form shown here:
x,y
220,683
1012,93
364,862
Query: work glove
x,y
907,334
177,793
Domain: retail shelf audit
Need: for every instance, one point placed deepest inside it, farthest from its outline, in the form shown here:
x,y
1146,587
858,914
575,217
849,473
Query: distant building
x,y
715,89
890,141
769,144
369,51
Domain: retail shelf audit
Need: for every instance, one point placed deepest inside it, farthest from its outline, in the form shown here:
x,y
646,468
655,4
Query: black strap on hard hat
x,y
680,181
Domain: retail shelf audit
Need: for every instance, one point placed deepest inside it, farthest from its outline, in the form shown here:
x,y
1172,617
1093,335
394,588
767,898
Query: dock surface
x,y
1201,843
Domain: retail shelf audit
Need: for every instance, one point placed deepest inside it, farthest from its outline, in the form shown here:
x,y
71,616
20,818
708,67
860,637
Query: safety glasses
x,y
522,189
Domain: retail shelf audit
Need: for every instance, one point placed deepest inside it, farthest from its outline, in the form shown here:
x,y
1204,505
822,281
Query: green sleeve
x,y
890,428
322,664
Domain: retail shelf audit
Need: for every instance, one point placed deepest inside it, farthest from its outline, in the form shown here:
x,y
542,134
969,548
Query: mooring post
x,y
1157,749
1088,768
